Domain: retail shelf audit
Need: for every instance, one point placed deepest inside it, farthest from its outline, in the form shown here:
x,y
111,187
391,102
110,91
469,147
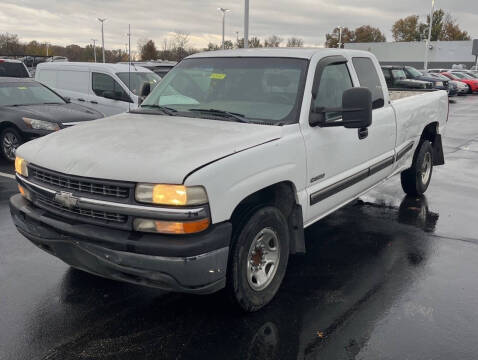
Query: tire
x,y
10,140
415,180
258,259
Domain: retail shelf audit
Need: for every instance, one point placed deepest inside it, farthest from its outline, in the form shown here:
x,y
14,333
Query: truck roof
x,y
301,53
91,65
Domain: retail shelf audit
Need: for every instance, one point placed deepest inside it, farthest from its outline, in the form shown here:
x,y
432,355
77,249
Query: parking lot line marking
x,y
9,176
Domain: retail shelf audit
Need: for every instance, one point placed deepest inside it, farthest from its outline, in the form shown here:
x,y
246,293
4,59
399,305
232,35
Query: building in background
x,y
443,54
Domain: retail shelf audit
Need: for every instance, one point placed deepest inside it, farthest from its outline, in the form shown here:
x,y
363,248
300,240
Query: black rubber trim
x,y
406,149
351,180
381,165
338,186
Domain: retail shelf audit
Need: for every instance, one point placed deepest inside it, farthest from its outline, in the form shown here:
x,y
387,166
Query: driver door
x,y
340,160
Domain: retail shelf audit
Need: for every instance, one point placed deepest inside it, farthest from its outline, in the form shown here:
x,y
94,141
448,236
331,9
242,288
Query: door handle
x,y
80,99
362,133
94,102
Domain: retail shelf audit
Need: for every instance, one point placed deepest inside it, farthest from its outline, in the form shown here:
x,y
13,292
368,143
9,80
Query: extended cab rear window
x,y
368,77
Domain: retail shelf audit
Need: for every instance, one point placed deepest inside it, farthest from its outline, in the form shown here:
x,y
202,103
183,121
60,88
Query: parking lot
x,y
387,277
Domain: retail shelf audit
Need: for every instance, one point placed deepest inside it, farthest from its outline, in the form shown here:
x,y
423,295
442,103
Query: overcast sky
x,y
74,21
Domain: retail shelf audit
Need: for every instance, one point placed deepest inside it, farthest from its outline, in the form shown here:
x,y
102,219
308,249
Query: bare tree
x,y
273,41
295,42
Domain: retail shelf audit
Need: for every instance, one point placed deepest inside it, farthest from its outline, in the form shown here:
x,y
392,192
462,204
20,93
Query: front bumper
x,y
193,263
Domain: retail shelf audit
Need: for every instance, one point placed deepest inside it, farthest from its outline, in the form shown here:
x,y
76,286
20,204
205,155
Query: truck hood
x,y
143,147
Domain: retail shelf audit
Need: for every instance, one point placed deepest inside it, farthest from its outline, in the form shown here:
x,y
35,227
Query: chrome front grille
x,y
102,216
78,184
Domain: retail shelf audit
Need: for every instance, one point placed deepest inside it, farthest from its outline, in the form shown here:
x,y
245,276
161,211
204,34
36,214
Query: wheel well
x,y
283,196
6,124
429,132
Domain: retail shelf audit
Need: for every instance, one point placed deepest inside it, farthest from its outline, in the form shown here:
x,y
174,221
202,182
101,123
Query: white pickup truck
x,y
211,182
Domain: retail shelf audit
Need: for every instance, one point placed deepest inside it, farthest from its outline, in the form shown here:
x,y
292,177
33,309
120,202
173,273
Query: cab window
x,y
107,87
334,81
368,77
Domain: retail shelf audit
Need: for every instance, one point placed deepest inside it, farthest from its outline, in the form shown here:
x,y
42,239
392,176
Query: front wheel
x,y
259,257
10,140
415,180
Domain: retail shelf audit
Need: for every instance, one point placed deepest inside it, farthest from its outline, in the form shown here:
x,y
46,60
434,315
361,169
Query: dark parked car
x,y
29,109
396,79
414,74
453,89
13,68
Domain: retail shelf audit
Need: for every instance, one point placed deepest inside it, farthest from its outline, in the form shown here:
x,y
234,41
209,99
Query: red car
x,y
468,80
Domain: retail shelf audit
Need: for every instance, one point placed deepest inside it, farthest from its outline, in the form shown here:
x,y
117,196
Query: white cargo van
x,y
108,88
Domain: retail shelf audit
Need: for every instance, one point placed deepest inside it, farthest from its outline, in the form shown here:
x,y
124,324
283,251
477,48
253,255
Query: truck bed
x,y
397,94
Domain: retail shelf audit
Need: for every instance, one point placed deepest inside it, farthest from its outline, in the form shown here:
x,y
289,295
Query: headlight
x,y
21,166
164,194
41,124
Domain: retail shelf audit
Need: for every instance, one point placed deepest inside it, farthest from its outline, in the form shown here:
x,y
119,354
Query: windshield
x,y
27,93
138,79
12,69
413,71
461,76
399,74
262,90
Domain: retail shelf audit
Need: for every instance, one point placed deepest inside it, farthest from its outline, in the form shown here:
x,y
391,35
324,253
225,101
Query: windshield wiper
x,y
222,113
165,109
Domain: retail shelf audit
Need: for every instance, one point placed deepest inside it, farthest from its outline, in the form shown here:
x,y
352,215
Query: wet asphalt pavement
x,y
387,277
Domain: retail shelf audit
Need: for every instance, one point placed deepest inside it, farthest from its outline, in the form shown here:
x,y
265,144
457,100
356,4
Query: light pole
x,y
102,37
246,24
427,45
224,11
340,36
94,47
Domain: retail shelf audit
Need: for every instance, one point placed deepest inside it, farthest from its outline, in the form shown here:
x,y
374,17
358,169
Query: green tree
x,y
407,29
367,33
228,45
332,39
444,28
147,50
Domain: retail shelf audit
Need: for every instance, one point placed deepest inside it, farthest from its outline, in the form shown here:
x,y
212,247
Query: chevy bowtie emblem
x,y
66,199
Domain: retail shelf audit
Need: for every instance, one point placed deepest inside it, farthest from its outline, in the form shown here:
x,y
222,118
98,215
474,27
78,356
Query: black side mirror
x,y
356,110
145,89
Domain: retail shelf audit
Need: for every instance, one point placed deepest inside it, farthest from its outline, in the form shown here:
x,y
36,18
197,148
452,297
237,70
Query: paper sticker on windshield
x,y
218,76
22,88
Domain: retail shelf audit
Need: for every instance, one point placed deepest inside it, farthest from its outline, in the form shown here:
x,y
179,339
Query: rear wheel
x,y
10,140
259,257
415,180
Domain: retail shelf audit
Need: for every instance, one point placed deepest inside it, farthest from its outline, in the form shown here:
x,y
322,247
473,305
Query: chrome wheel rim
x,y
426,167
10,145
263,259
